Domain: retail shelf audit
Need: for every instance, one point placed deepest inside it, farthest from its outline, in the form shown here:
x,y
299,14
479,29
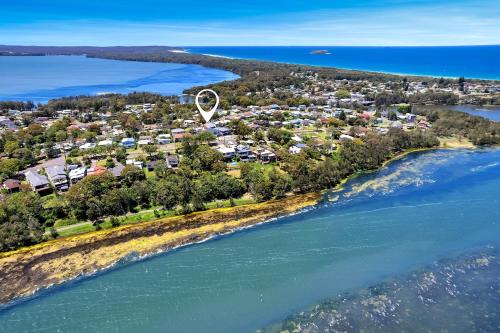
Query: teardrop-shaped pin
x,y
207,115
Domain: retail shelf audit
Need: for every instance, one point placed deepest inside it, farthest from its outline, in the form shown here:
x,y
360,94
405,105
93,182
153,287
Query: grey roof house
x,y
37,181
57,177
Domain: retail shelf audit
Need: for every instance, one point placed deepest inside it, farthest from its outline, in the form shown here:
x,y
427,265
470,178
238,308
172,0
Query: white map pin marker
x,y
207,115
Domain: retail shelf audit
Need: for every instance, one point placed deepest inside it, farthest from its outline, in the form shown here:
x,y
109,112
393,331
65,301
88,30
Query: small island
x,y
320,52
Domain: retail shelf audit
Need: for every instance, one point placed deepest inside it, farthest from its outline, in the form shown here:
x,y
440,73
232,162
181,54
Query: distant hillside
x,y
78,50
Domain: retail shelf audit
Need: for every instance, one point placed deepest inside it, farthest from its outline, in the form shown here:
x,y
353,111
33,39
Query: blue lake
x,y
420,209
482,62
488,112
39,79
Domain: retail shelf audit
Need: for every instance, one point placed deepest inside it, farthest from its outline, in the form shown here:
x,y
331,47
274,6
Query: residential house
x,y
172,161
294,149
345,137
96,170
117,170
57,177
220,131
227,153
106,142
38,182
128,143
12,185
77,174
266,156
144,142
87,146
164,139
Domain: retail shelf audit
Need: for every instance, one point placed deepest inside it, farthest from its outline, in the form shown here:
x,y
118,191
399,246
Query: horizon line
x,y
297,45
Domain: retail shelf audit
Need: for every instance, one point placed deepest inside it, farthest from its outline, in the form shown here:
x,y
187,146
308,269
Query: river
x,y
423,208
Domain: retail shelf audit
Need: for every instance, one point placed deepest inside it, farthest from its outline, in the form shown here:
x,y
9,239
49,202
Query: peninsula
x,y
104,177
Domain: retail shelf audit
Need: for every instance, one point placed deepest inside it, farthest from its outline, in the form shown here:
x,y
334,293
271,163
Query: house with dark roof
x,y
117,169
12,185
172,161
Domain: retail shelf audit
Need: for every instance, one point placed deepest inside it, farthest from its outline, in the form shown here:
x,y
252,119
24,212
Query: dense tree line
x,y
15,105
21,220
429,97
447,122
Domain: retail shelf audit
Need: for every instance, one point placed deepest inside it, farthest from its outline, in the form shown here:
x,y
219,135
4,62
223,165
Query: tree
x,y
9,167
461,84
95,209
91,187
121,155
280,136
115,222
150,149
240,128
342,115
258,183
197,200
206,158
131,174
161,169
342,93
143,192
117,201
219,186
21,220
10,147
110,163
281,183
167,192
205,137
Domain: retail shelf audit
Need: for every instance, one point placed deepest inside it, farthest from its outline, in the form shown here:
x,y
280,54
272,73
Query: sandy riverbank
x,y
26,270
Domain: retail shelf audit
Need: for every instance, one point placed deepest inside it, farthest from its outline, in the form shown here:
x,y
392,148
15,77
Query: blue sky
x,y
246,22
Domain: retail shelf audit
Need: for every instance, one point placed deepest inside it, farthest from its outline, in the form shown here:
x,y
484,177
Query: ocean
x,y
481,62
41,78
424,229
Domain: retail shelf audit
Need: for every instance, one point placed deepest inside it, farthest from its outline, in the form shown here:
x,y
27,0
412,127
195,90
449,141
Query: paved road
x,y
44,164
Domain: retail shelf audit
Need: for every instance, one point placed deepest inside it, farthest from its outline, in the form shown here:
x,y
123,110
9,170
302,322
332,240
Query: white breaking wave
x,y
484,167
216,56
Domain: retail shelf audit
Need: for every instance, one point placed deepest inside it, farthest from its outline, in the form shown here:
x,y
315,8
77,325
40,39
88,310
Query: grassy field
x,y
71,226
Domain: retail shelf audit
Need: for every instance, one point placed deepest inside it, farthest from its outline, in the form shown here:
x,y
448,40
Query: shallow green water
x,y
423,208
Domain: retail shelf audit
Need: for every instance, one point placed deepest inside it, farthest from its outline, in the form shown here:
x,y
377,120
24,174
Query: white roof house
x,y
294,150
163,139
105,143
344,137
227,152
77,174
144,142
88,145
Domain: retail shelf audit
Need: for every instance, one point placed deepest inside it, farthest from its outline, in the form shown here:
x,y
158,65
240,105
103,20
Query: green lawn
x,y
79,229
132,218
